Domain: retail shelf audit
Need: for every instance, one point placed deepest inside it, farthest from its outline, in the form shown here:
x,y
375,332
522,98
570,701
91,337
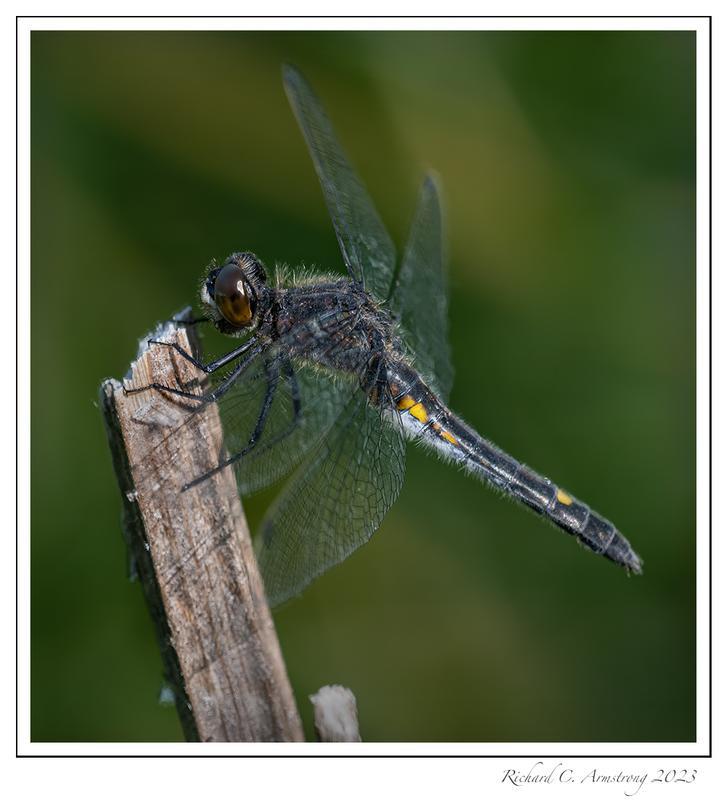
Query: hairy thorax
x,y
334,325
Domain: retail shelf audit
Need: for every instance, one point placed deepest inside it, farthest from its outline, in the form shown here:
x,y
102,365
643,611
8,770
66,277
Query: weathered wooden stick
x,y
335,717
194,556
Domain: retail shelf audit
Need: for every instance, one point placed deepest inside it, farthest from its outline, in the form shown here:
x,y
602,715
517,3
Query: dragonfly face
x,y
337,372
234,293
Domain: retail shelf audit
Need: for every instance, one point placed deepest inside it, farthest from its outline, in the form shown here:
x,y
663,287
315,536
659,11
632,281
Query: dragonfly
x,y
335,373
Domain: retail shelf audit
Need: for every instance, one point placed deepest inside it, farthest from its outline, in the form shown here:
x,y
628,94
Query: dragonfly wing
x,y
419,298
367,249
336,499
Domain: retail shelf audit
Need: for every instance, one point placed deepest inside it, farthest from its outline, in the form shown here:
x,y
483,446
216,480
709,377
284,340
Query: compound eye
x,y
233,297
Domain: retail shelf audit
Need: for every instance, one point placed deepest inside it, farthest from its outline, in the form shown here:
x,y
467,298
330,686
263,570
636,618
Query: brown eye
x,y
233,296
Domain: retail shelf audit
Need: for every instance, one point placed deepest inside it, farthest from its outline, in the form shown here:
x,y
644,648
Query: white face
x,y
207,300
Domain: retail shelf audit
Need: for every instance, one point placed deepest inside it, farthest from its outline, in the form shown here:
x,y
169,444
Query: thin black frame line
x,y
710,410
361,16
710,384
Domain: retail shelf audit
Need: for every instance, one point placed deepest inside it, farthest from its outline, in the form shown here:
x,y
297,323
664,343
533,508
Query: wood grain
x,y
195,558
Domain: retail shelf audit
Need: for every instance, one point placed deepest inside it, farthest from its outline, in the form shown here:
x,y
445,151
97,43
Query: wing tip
x,y
432,181
292,75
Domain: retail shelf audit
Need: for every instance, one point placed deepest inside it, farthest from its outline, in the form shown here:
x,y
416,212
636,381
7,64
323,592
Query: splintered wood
x,y
194,556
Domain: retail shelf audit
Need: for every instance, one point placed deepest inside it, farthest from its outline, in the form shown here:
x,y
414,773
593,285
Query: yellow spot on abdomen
x,y
449,437
418,412
408,403
563,498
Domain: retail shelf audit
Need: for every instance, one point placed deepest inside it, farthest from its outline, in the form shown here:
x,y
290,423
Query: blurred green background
x,y
568,166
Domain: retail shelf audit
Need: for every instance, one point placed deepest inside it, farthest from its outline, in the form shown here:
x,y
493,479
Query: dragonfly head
x,y
232,293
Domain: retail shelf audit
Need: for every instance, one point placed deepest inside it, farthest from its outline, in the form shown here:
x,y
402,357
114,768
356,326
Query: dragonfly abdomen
x,y
426,420
573,516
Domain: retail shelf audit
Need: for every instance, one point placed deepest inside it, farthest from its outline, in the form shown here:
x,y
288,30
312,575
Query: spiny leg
x,y
290,376
220,390
213,366
273,372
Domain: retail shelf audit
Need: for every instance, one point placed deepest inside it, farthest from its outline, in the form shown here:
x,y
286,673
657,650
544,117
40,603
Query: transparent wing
x,y
419,299
368,251
273,414
336,499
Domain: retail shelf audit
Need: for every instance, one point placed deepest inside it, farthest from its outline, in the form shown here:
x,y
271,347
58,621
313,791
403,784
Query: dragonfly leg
x,y
290,376
216,393
213,366
273,371
190,322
